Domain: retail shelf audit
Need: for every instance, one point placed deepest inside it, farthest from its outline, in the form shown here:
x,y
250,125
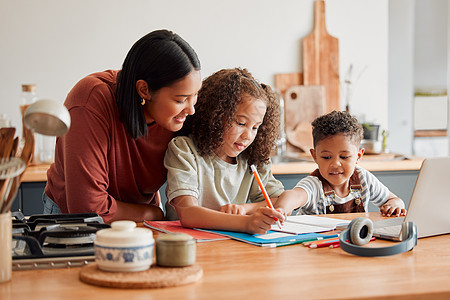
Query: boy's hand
x,y
262,220
393,207
233,209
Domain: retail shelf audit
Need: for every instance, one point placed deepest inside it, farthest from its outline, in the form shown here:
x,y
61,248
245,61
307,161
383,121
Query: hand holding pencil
x,y
261,220
264,192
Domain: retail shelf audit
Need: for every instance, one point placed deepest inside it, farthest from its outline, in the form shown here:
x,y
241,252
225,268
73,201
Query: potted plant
x,y
370,131
370,139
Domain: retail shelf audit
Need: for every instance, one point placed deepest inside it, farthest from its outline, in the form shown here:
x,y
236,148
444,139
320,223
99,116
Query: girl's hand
x,y
281,211
233,209
393,208
262,220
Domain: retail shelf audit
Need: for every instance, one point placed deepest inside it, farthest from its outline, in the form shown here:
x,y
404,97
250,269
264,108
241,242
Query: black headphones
x,y
359,232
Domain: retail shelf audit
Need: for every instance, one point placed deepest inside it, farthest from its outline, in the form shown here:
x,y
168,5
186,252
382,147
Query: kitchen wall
x,y
401,75
430,63
430,43
55,43
418,60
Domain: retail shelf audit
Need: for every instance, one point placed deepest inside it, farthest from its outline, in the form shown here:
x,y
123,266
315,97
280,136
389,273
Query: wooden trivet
x,y
155,277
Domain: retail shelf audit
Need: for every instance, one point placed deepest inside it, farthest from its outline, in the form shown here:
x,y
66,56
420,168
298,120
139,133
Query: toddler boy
x,y
338,185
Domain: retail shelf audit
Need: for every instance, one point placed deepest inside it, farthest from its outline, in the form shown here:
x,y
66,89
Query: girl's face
x,y
336,157
169,106
244,127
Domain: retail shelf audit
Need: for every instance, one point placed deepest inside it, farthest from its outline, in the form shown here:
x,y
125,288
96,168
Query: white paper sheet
x,y
309,223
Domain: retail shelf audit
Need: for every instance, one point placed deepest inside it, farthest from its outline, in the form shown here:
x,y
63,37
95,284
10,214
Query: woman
x,y
111,160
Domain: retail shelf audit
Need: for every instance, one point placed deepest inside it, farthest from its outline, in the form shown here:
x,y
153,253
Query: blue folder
x,y
256,239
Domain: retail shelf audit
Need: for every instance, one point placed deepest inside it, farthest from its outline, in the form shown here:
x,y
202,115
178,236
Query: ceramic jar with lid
x,y
175,250
124,248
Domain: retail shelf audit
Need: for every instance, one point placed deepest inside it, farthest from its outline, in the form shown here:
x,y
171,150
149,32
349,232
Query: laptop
x,y
429,208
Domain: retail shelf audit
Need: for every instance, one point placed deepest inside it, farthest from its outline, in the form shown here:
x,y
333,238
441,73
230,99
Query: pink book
x,y
175,226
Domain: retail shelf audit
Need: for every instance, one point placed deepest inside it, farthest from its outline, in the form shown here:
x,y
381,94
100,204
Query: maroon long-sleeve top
x,y
97,163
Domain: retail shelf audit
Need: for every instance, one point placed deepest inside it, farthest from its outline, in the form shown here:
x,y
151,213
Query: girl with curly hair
x,y
209,183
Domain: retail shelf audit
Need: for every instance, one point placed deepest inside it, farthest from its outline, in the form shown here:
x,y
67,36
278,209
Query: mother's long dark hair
x,y
160,58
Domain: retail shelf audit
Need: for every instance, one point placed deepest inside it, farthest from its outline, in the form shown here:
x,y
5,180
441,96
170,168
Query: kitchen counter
x,y
370,163
36,173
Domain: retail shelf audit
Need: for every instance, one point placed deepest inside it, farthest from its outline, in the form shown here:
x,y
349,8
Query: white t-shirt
x,y
211,180
372,190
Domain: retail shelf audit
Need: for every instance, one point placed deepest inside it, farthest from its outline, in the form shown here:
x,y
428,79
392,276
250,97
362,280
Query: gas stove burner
x,y
67,237
70,237
61,249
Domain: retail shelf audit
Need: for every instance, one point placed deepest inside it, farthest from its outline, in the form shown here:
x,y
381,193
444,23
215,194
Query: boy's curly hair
x,y
216,105
334,123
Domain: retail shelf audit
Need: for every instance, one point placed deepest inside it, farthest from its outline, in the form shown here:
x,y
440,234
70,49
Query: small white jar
x,y
124,248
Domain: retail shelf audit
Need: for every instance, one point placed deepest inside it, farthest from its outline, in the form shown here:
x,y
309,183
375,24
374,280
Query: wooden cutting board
x,y
283,81
321,59
302,104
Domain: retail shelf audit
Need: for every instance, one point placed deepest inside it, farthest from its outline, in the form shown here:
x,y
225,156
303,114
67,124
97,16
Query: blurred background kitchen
x,y
400,49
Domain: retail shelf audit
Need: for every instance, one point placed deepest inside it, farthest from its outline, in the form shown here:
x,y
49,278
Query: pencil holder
x,y
5,247
175,250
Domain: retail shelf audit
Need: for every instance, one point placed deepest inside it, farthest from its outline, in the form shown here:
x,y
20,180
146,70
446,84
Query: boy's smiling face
x,y
336,157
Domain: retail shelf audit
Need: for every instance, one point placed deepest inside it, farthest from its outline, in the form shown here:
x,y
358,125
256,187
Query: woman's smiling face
x,y
169,106
244,127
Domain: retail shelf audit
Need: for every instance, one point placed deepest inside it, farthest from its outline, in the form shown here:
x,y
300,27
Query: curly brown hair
x,y
334,123
216,105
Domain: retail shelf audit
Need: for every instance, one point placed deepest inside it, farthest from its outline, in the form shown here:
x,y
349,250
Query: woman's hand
x,y
233,209
262,220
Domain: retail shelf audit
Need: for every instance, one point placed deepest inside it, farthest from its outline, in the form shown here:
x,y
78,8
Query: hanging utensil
x,y
6,141
10,171
11,167
6,146
14,147
46,117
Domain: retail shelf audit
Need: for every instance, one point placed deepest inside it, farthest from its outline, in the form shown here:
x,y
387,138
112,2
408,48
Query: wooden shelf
x,y
430,133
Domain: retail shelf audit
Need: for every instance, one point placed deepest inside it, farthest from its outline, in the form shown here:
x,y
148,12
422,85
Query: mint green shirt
x,y
211,180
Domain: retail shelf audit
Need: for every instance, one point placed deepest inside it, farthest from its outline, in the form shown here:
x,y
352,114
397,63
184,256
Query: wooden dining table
x,y
236,270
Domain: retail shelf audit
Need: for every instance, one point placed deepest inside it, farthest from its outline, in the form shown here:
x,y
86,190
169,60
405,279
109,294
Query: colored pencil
x,y
320,238
331,244
263,190
336,237
325,243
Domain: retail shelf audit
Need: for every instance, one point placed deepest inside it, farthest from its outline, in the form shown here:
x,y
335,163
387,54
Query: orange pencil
x,y
323,241
263,190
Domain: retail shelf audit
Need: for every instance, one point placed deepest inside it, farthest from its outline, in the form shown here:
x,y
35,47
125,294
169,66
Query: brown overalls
x,y
355,205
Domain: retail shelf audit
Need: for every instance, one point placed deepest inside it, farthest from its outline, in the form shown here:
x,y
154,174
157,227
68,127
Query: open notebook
x,y
309,223
429,206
